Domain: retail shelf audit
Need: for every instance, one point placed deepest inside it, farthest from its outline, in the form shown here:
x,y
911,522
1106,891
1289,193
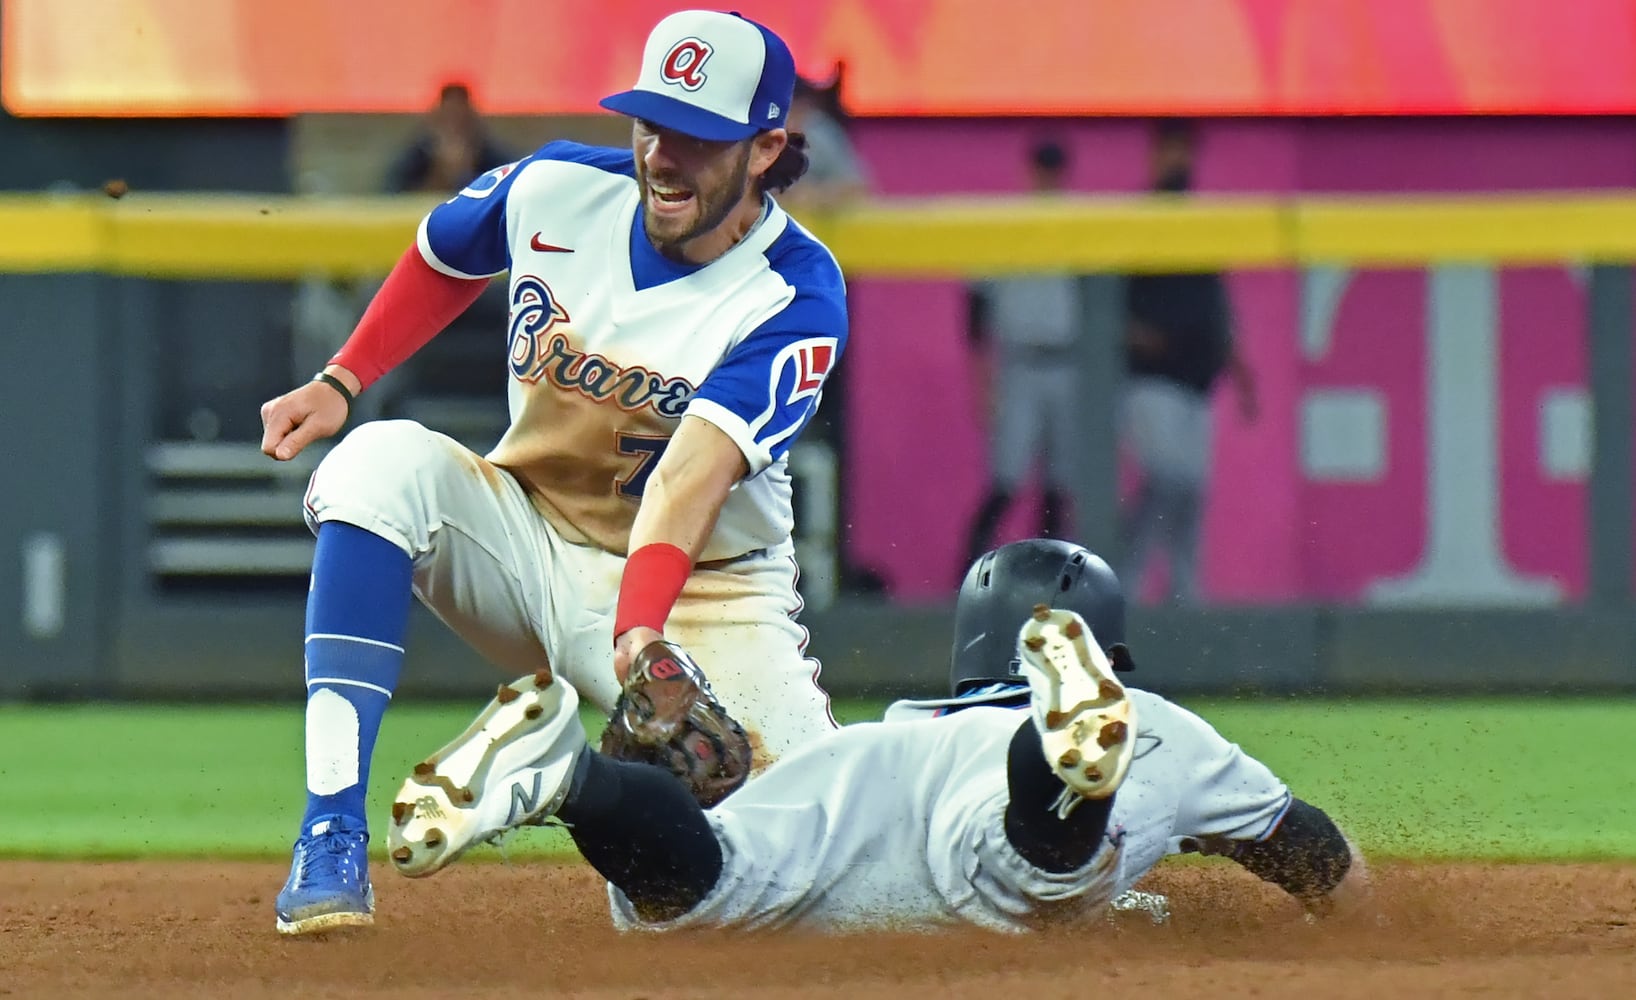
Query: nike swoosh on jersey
x,y
543,247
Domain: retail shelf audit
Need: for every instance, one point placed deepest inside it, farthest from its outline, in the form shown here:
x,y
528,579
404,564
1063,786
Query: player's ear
x,y
788,152
765,149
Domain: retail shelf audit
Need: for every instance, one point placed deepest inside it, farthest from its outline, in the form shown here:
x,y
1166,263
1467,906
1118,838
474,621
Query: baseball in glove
x,y
667,715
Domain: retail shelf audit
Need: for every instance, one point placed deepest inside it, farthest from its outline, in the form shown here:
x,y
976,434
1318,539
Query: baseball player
x,y
1038,792
1033,323
669,337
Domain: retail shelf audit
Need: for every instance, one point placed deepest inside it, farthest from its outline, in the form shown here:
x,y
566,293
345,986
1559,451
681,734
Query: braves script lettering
x,y
539,350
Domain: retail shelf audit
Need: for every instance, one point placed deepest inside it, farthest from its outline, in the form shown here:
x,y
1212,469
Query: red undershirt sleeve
x,y
414,305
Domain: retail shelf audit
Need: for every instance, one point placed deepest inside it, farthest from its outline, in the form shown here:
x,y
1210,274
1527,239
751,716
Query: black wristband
x,y
339,386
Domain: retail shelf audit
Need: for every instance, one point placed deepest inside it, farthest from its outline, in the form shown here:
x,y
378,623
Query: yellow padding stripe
x,y
282,237
1515,230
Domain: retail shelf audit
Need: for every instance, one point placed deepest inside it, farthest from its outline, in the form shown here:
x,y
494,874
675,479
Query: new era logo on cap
x,y
711,75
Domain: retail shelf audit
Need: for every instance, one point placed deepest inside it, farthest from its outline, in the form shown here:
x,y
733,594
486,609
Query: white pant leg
x,y
985,880
1167,428
738,621
884,825
479,548
773,865
1064,426
1019,424
499,575
735,621
582,587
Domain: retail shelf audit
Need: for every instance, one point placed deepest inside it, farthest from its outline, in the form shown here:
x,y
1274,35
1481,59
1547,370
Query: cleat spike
x,y
1093,773
1035,643
433,838
533,712
401,811
1112,735
1073,629
1042,612
402,855
507,694
542,678
425,769
1071,758
1109,691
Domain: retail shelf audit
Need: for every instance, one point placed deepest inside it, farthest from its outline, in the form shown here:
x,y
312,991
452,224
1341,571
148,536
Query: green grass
x,y
1491,778
1488,778
115,780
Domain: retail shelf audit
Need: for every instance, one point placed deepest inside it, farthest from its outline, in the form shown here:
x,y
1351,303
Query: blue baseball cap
x,y
711,75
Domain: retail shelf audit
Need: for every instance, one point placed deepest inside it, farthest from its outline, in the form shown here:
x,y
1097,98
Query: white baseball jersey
x,y
900,824
611,343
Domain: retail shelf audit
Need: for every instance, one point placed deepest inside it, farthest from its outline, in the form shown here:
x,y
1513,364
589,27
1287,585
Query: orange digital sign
x,y
903,57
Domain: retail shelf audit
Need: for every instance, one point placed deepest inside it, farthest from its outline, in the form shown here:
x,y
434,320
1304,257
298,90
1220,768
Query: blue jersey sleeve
x,y
465,237
768,387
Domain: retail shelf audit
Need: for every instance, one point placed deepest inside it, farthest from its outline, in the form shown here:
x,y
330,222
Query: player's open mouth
x,y
668,199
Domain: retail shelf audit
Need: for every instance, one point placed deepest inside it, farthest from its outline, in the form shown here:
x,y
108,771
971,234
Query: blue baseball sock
x,y
357,613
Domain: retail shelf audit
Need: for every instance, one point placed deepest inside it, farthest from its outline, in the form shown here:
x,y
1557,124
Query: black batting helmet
x,y
1000,591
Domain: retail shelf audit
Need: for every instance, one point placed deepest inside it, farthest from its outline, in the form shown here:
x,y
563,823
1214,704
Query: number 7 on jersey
x,y
647,450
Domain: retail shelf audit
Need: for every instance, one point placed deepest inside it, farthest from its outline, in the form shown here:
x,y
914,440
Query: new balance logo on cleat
x,y
523,800
509,767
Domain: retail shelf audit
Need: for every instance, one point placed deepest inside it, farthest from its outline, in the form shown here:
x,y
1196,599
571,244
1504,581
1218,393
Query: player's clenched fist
x,y
302,416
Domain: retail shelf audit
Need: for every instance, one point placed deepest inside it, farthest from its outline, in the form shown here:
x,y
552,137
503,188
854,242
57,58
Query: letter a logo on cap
x,y
684,63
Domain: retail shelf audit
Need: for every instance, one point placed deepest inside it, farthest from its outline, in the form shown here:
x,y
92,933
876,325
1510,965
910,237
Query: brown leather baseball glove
x,y
667,715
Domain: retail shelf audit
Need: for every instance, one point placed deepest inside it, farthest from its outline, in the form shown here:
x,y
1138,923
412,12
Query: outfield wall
x,y
82,360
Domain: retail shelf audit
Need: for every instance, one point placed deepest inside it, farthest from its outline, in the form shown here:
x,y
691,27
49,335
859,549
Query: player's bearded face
x,y
689,186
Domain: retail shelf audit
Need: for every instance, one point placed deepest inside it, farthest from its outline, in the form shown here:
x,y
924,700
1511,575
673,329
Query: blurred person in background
x,y
1178,343
452,148
1023,330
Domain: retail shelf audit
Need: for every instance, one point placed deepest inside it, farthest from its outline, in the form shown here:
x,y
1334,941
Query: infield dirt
x,y
202,929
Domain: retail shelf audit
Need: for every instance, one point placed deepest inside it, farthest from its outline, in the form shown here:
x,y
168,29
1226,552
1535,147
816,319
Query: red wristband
x,y
654,577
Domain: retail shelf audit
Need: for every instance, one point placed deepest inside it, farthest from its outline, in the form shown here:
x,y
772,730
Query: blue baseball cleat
x,y
329,879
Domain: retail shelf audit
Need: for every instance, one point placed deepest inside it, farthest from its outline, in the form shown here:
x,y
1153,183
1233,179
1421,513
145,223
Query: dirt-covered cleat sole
x,y
510,768
1087,723
325,922
329,885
